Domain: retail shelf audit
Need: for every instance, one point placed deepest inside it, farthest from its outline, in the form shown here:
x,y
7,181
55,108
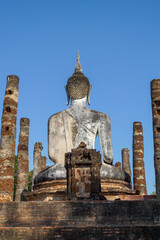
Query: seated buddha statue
x,y
78,123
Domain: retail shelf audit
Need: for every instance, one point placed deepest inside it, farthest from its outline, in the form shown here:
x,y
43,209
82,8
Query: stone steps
x,y
80,220
80,232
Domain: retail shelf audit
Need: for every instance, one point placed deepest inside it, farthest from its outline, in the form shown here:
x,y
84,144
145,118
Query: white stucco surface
x,y
67,129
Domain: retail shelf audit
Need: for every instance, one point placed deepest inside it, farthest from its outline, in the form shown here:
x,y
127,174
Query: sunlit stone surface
x,y
67,129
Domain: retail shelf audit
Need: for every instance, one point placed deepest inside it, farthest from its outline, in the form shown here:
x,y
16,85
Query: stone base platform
x,y
70,220
56,190
4,197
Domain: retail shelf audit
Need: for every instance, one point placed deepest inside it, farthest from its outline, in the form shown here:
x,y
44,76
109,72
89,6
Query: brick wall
x,y
86,220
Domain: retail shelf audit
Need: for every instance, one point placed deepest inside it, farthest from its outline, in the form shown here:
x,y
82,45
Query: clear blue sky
x,y
119,44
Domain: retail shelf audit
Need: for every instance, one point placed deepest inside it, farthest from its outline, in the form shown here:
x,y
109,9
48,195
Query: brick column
x,y
83,173
118,165
138,162
22,161
43,163
37,159
155,95
8,139
125,161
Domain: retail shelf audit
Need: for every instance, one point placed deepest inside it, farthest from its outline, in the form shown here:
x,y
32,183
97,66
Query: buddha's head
x,y
78,85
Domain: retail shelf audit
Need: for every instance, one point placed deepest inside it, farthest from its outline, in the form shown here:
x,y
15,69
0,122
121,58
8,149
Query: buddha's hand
x,y
108,160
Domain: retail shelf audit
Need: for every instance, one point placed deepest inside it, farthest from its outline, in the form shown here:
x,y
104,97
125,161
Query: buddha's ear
x,y
89,92
68,96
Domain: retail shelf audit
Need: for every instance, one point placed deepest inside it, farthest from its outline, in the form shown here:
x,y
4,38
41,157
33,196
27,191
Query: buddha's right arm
x,y
56,139
104,131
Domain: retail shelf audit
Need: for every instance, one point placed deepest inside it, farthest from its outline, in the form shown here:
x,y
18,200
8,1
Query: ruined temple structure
x,y
23,160
155,95
37,159
8,139
83,195
43,163
125,161
118,165
139,179
65,132
83,173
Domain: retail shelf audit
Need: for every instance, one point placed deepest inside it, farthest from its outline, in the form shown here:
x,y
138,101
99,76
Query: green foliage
x,y
15,178
154,192
30,180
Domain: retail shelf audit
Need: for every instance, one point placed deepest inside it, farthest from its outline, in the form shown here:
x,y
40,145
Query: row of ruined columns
x,y
139,181
23,160
8,143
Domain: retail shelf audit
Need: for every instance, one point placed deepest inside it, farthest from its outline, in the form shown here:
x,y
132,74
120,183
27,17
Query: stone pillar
x,y
8,139
43,163
22,161
118,165
83,173
125,161
37,159
138,162
155,95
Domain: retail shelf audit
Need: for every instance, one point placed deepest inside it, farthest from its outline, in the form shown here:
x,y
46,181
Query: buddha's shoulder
x,y
56,116
100,115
